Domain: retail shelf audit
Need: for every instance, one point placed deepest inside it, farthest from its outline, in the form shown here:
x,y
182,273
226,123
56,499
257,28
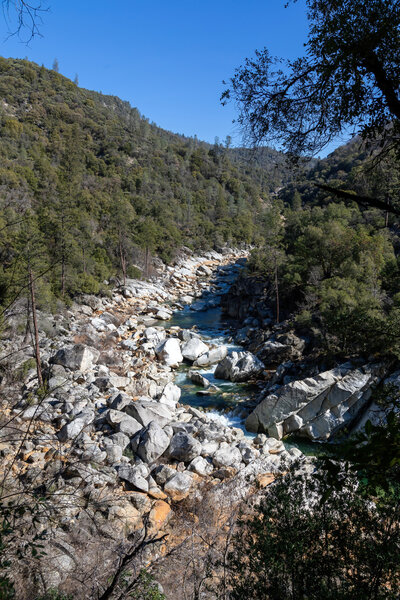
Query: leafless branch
x,y
24,18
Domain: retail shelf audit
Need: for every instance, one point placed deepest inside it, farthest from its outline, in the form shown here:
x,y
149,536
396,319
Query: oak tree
x,y
348,79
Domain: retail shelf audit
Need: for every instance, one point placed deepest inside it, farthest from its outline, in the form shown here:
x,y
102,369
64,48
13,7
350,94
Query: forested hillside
x,y
90,189
334,265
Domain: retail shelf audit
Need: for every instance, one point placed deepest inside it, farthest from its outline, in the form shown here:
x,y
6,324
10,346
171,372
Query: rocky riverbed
x,y
303,394
109,444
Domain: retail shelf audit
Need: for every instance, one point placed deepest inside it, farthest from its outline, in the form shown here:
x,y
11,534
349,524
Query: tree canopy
x,y
348,79
305,542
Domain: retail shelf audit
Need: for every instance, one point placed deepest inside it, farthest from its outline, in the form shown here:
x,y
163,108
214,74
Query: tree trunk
x,y
35,330
63,275
276,290
147,261
84,260
123,260
28,322
387,86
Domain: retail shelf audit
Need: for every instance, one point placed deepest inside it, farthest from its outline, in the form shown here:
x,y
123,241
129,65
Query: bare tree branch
x,y
24,18
365,201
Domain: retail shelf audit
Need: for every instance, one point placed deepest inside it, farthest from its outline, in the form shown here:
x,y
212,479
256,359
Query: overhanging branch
x,y
362,200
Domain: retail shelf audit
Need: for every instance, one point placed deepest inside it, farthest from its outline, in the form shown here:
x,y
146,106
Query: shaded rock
x,y
198,379
185,335
103,383
184,447
225,473
200,305
150,443
123,422
120,401
203,270
162,474
282,348
240,366
135,475
117,439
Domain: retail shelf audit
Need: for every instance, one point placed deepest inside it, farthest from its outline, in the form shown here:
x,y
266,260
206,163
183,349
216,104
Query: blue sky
x,y
167,58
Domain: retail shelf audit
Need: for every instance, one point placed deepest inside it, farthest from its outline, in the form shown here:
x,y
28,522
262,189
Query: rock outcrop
x,y
317,407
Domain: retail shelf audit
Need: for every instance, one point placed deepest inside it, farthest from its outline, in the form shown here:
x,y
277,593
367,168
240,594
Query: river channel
x,y
229,404
216,330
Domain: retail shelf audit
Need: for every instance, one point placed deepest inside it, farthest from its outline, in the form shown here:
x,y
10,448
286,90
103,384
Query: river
x,y
215,329
229,404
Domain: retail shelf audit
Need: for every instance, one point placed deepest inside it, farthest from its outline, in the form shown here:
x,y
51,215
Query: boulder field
x,y
109,441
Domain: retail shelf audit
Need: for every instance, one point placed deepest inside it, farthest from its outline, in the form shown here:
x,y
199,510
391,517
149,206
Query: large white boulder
x,y
316,407
178,487
170,395
193,348
144,411
169,352
77,426
228,456
214,355
77,358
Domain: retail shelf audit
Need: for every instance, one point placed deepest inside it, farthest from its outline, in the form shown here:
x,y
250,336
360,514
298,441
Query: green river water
x,y
215,329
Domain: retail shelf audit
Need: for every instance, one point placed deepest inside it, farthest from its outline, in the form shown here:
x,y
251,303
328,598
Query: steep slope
x,y
89,188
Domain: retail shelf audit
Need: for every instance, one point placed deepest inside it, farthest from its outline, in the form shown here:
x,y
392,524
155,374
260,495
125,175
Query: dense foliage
x,y
339,262
303,543
89,188
347,78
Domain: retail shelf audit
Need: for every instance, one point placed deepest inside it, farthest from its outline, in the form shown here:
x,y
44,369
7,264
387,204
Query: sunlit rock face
x,y
317,407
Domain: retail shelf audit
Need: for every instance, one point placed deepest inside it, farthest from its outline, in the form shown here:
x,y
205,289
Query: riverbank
x,y
110,446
